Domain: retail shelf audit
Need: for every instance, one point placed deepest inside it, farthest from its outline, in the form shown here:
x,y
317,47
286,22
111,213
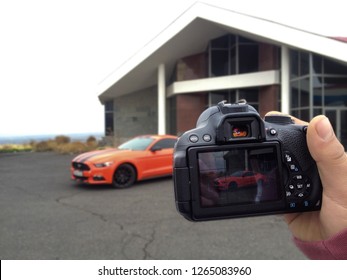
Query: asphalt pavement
x,y
45,215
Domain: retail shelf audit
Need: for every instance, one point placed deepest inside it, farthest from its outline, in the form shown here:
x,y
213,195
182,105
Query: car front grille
x,y
80,166
80,177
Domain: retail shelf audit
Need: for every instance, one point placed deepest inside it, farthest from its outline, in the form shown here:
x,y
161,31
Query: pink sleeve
x,y
334,248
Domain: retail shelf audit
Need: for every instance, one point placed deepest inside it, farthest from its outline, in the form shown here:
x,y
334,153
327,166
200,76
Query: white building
x,y
209,54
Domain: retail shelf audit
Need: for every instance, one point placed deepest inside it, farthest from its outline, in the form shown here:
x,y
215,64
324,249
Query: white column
x,y
161,100
285,80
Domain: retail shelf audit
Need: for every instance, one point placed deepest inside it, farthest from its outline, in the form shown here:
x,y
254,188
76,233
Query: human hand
x,y
331,160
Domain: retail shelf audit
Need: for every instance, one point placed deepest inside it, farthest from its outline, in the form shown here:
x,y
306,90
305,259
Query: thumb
x,y
331,159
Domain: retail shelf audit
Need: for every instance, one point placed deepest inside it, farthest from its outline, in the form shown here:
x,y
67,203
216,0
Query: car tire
x,y
124,176
232,185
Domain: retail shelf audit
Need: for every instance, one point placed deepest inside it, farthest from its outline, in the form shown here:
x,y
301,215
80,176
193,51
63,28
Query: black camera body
x,y
234,164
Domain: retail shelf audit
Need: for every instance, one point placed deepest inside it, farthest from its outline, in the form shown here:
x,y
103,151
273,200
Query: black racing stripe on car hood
x,y
81,157
97,153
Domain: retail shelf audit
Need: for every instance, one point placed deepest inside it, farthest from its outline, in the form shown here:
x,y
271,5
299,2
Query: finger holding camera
x,y
329,225
331,160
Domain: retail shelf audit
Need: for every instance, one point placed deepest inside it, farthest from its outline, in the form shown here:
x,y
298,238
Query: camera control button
x,y
298,177
288,158
272,131
193,138
292,205
300,194
308,187
306,203
293,167
207,137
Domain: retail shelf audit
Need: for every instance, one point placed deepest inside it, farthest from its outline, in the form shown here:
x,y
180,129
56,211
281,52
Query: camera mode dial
x,y
279,119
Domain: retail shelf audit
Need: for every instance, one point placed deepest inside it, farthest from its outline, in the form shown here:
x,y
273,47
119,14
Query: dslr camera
x,y
234,164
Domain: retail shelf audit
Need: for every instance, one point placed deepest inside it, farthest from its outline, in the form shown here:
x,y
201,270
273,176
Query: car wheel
x,y
232,185
124,176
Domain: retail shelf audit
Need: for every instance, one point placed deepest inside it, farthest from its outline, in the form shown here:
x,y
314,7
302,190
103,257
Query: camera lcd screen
x,y
236,176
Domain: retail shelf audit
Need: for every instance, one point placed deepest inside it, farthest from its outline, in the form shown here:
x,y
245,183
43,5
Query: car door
x,y
159,161
249,178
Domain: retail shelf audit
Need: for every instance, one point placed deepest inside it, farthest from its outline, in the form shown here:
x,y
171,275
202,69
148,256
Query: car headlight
x,y
103,164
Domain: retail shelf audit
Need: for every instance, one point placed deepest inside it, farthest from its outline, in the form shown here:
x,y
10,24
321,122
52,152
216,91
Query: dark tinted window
x,y
165,144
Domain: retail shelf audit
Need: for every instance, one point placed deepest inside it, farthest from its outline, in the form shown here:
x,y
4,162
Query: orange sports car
x,y
240,179
140,158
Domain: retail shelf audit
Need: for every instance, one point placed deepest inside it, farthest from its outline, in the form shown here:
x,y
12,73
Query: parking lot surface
x,y
45,215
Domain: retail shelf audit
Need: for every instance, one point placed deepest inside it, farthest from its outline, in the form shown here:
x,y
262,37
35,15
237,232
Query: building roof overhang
x,y
190,33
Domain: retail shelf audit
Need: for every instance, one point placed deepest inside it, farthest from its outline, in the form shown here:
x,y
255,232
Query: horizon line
x,y
50,134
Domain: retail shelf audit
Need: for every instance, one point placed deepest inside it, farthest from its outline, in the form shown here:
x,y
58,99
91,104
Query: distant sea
x,y
37,138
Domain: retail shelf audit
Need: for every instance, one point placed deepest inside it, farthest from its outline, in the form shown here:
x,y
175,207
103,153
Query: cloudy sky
x,y
53,54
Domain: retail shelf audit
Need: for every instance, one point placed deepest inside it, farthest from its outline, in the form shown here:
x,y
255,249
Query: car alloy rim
x,y
123,175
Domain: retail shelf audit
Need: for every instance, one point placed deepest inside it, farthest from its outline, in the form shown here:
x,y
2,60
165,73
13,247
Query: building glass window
x,y
304,64
221,42
251,95
233,54
219,62
294,66
319,86
317,64
334,68
109,120
304,92
317,91
295,94
218,96
248,58
232,61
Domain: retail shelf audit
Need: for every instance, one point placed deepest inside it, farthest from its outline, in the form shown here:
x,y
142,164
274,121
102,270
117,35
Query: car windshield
x,y
137,144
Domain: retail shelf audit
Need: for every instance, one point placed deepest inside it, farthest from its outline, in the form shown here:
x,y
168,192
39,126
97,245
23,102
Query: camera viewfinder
x,y
239,131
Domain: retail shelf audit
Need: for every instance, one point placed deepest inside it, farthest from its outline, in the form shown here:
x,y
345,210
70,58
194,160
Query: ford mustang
x,y
140,158
240,179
